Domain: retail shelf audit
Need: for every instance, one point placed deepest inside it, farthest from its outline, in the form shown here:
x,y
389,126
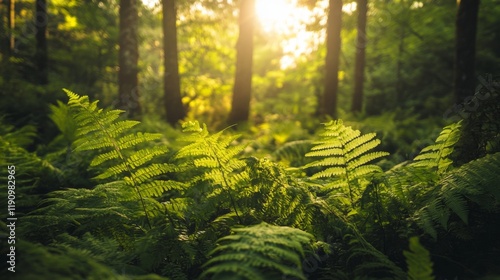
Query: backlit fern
x,y
259,252
212,159
122,154
344,154
437,156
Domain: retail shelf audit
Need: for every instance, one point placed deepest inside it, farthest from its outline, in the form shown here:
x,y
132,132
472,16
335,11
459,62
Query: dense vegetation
x,y
401,184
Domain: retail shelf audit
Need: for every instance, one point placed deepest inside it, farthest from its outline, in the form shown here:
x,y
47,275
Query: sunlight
x,y
286,18
277,15
150,3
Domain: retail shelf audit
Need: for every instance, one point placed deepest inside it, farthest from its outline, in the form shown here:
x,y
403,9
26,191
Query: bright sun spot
x,y
150,3
288,19
276,15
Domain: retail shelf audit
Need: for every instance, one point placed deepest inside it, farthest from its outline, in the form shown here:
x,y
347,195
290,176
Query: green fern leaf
x,y
418,261
436,156
345,156
259,252
121,151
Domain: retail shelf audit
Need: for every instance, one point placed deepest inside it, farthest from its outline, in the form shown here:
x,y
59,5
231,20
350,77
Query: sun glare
x,y
287,19
275,15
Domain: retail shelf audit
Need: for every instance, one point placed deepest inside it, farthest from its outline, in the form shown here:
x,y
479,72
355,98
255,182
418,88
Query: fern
x,y
476,181
277,197
29,168
418,261
216,159
437,156
292,153
345,154
122,154
61,116
259,252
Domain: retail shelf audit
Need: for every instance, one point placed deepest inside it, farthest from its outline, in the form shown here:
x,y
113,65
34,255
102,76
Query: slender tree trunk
x,y
399,65
41,54
357,98
4,31
333,28
240,107
465,48
128,82
11,24
172,89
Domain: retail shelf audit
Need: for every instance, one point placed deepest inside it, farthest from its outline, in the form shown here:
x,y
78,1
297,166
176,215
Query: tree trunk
x,y
333,28
240,107
172,89
41,54
11,24
128,82
357,98
4,31
399,65
465,48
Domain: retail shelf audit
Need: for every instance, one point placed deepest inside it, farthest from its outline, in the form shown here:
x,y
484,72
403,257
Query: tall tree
x,y
357,98
333,28
12,22
128,57
41,55
172,90
465,48
4,36
240,106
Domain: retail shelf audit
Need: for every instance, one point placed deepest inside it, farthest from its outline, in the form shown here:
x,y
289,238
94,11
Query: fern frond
x,y
419,261
472,181
122,153
259,252
436,156
345,156
215,158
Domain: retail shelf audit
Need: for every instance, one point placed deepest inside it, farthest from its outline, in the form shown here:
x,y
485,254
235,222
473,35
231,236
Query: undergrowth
x,y
204,207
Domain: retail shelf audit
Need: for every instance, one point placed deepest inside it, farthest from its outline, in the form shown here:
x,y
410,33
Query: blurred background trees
x,y
305,58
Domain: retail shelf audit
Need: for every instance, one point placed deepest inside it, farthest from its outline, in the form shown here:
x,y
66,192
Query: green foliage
x,y
437,156
27,166
345,154
476,181
42,262
193,195
213,160
418,261
121,152
259,252
292,153
367,261
276,197
67,125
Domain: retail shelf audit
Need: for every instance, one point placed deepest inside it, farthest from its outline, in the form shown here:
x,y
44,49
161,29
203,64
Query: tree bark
x,y
333,28
172,90
11,21
357,98
399,65
128,57
41,54
240,106
4,31
465,48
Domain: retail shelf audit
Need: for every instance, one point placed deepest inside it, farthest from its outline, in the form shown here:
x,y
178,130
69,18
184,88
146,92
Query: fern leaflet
x,y
345,154
259,252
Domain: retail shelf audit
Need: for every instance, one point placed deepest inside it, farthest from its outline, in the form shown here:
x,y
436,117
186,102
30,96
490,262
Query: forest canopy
x,y
250,139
